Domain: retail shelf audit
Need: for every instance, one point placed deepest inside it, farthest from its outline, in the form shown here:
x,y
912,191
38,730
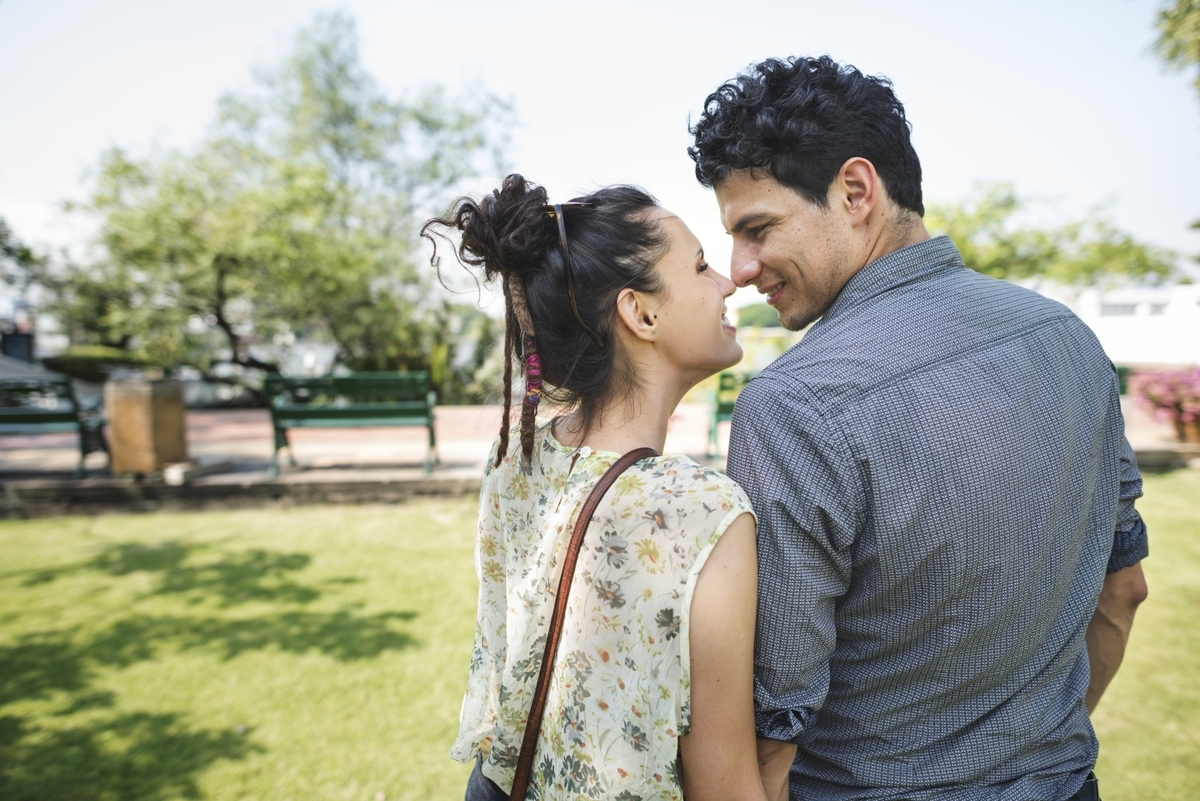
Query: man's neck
x,y
898,231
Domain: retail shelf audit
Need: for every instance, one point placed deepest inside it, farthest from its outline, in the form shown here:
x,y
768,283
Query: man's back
x,y
937,468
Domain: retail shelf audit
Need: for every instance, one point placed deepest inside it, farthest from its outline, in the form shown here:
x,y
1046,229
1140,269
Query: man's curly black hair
x,y
800,120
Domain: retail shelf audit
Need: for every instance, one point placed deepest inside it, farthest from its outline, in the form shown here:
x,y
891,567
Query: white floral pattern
x,y
619,697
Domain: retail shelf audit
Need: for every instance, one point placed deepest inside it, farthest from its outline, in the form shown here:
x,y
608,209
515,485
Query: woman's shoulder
x,y
682,480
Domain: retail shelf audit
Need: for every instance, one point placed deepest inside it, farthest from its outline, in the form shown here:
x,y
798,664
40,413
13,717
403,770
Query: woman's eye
x,y
703,266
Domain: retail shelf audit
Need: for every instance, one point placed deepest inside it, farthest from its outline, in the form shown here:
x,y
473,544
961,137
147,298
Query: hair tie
x,y
533,375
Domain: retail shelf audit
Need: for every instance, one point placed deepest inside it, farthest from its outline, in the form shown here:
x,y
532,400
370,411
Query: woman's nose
x,y
726,286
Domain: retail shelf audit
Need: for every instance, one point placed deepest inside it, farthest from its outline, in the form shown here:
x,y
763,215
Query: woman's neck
x,y
636,421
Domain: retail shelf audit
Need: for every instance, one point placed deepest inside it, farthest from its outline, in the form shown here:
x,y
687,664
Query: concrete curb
x,y
30,499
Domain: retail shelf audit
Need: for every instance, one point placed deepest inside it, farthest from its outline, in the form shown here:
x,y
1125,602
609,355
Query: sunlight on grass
x,y
1149,719
321,653
273,654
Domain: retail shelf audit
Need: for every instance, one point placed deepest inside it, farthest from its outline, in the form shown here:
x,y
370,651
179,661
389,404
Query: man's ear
x,y
636,314
857,189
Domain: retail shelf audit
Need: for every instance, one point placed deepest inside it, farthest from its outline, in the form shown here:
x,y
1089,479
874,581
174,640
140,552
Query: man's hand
x,y
774,764
1108,631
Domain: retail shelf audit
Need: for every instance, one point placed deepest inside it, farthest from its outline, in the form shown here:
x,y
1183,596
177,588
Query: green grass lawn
x,y
312,653
1149,719
320,653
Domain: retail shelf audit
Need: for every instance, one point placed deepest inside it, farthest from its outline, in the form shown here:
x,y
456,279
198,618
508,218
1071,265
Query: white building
x,y
1142,327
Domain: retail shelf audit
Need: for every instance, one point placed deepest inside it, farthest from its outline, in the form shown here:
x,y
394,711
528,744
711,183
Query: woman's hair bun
x,y
566,340
505,231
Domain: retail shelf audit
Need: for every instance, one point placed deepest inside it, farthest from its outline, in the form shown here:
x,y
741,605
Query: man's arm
x,y
1108,631
775,760
1124,584
805,489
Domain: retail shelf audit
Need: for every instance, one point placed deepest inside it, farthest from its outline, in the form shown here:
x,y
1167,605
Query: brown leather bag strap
x,y
534,725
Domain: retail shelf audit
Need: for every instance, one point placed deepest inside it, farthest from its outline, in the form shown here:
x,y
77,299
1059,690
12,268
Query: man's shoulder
x,y
932,318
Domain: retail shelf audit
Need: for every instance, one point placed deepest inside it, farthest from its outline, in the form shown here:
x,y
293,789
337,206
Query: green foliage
x,y
758,315
296,214
16,259
987,230
92,362
20,267
1179,36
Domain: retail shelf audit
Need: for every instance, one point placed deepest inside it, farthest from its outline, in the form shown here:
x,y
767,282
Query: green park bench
x,y
49,406
361,399
729,386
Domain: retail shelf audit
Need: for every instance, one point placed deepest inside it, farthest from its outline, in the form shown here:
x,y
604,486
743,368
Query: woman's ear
x,y
637,314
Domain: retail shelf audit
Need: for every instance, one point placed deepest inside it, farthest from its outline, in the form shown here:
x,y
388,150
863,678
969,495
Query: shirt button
x,y
585,452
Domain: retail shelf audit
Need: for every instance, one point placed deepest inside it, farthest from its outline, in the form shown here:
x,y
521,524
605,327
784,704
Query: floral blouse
x,y
619,696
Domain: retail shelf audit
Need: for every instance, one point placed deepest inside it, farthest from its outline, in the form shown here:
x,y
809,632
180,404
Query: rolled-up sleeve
x,y
806,491
1130,542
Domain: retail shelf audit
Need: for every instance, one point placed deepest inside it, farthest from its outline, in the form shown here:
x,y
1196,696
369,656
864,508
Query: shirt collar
x,y
896,268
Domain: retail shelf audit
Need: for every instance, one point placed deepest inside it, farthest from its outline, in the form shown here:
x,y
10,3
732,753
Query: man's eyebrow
x,y
749,220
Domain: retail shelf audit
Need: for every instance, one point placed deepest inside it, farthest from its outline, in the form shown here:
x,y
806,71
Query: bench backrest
x,y
729,386
49,394
347,390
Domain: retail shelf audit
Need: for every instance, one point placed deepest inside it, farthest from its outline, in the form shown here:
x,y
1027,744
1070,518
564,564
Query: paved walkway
x,y
243,436
464,434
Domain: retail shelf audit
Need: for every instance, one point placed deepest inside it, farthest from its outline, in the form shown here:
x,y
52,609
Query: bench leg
x,y
281,441
431,457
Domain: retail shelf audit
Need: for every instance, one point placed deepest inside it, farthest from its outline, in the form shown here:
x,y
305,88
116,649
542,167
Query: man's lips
x,y
772,292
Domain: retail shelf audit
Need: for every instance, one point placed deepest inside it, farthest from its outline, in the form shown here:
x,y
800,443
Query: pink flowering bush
x,y
1174,394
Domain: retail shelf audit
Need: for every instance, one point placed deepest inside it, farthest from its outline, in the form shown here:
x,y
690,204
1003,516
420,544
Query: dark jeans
x,y
481,788
1090,791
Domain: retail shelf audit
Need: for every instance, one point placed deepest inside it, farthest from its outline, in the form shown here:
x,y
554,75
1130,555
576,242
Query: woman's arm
x,y
719,754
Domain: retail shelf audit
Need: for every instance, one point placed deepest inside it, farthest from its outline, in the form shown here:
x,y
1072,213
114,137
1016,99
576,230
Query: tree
x,y
758,315
1087,252
1179,44
296,214
19,265
1179,36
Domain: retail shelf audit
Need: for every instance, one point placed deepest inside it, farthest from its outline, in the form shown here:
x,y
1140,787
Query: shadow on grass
x,y
248,576
90,748
255,575
133,757
341,635
40,664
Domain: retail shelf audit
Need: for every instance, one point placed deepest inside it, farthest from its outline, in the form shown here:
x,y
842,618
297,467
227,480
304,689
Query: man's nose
x,y
744,268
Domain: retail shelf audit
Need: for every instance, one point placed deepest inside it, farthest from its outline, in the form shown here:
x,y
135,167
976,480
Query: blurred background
x,y
223,190
209,255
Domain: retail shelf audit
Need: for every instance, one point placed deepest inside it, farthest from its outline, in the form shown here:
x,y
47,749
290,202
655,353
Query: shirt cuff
x,y
786,725
1129,548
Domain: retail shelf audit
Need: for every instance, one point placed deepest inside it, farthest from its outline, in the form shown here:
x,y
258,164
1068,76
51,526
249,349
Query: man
x,y
947,536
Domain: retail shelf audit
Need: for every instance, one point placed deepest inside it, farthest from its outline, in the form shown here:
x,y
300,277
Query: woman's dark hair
x,y
801,120
614,243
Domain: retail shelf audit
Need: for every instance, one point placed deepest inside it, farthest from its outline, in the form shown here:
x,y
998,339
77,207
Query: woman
x,y
610,302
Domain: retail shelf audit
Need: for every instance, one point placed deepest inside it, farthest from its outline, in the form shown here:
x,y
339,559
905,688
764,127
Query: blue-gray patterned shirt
x,y
942,480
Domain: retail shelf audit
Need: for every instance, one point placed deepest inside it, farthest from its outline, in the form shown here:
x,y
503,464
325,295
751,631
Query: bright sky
x,y
1064,99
